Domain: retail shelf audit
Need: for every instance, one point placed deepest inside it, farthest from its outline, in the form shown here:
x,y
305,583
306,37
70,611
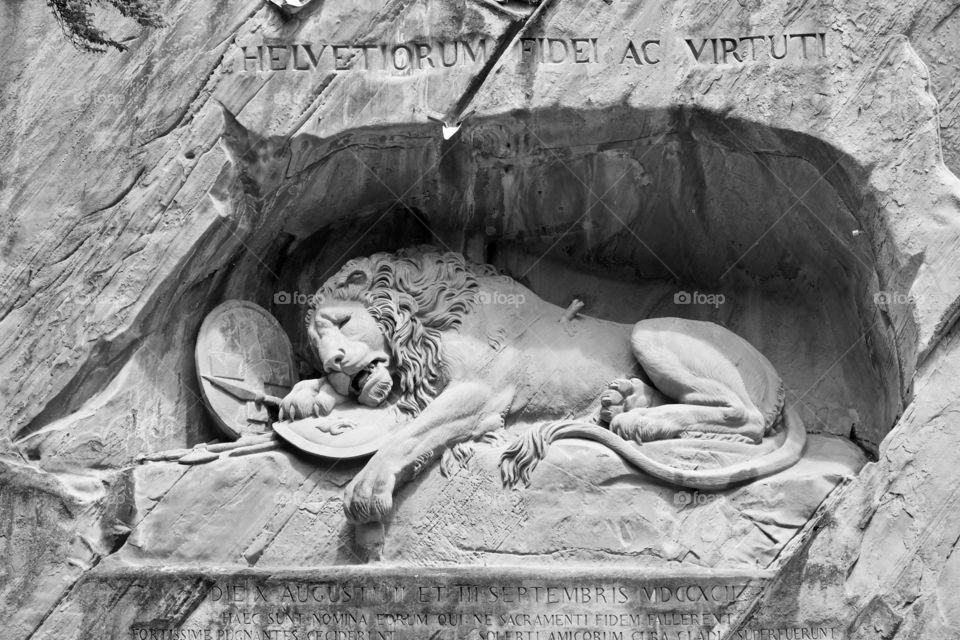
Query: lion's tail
x,y
521,457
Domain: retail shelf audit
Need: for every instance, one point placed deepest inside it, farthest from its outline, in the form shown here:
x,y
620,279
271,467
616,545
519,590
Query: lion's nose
x,y
335,362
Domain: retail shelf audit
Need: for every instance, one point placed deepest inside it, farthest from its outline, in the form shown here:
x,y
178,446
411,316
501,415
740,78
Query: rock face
x,y
782,168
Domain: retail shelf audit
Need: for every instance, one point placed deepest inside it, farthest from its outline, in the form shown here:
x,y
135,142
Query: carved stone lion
x,y
464,351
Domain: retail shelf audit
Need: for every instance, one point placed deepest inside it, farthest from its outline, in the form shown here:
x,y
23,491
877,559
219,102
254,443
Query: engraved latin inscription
x,y
540,50
397,607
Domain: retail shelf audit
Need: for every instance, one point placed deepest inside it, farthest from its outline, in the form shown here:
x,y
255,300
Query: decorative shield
x,y
244,364
370,429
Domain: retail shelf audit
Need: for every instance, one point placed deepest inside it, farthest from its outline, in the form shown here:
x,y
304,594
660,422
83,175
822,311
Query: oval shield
x,y
363,431
244,364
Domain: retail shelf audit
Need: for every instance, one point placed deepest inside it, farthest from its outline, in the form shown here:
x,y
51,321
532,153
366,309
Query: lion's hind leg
x,y
689,420
709,398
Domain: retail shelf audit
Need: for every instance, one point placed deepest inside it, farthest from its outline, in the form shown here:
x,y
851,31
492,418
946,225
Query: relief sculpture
x,y
422,337
480,319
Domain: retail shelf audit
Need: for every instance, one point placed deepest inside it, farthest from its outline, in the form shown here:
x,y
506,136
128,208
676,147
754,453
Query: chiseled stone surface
x,y
884,563
127,215
584,505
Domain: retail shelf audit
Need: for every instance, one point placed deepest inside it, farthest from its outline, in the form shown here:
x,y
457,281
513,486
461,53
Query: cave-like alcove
x,y
765,231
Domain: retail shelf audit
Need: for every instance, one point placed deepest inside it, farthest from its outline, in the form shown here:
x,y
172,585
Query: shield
x,y
370,429
244,361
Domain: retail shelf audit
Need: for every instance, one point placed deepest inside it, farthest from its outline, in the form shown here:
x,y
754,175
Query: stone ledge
x,y
584,505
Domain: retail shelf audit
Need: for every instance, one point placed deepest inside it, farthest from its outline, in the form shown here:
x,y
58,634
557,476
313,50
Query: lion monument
x,y
464,352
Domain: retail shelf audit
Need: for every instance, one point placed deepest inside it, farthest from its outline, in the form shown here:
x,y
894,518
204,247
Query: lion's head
x,y
383,316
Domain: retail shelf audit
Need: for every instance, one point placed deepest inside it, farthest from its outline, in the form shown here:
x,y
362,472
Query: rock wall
x,y
139,189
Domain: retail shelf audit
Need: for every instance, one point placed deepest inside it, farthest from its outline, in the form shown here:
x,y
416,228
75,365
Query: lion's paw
x,y
615,400
369,497
302,401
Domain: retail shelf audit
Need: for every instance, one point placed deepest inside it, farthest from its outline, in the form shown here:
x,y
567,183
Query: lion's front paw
x,y
302,402
369,497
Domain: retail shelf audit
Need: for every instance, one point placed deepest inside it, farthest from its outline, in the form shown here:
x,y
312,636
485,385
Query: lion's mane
x,y
414,295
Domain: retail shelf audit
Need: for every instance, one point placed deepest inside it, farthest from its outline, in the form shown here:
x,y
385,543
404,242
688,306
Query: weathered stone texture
x,y
132,204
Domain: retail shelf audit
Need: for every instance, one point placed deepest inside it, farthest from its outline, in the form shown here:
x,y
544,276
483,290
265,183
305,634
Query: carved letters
x,y
540,50
752,48
400,607
412,56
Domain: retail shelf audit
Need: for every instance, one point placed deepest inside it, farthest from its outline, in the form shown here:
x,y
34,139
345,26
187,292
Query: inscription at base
x,y
478,605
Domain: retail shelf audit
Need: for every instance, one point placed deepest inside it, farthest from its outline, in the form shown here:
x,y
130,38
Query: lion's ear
x,y
357,277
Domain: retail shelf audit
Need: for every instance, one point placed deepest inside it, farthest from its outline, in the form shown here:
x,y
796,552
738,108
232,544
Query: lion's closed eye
x,y
357,277
339,320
